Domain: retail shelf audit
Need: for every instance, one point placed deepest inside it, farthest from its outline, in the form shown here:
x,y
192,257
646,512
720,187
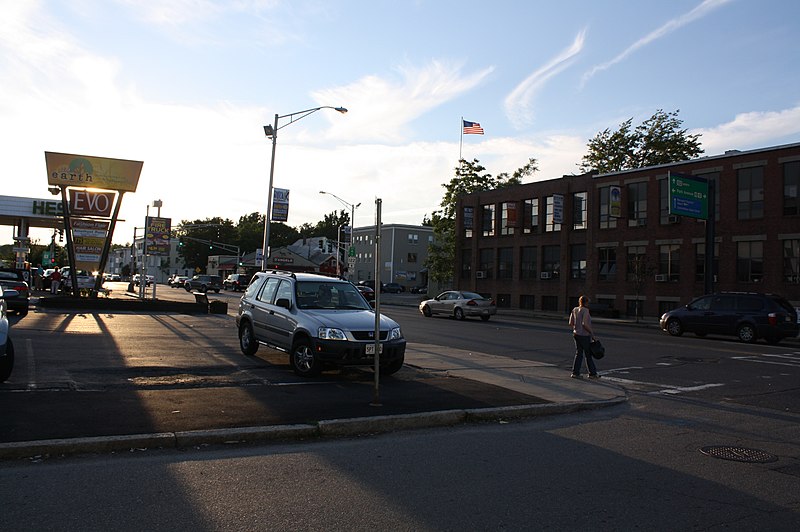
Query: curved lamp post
x,y
352,222
272,132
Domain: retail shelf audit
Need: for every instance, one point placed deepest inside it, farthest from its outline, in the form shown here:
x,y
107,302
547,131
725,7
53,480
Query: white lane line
x,y
680,389
666,389
31,364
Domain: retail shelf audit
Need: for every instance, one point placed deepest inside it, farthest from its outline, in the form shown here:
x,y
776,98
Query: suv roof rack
x,y
283,272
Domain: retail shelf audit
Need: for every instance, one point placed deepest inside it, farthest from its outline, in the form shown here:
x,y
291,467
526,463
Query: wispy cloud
x,y
519,103
752,130
706,7
381,109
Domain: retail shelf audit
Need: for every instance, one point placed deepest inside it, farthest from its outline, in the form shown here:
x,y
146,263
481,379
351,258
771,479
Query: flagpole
x,y
461,142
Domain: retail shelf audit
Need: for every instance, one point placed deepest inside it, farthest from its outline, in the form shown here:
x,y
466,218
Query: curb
x,y
334,428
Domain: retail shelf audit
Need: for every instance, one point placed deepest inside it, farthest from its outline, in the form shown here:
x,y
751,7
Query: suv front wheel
x,y
303,361
247,340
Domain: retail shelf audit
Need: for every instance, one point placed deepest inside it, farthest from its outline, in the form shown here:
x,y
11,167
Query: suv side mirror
x,y
285,303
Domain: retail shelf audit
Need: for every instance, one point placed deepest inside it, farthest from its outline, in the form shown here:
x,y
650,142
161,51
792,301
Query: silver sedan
x,y
459,304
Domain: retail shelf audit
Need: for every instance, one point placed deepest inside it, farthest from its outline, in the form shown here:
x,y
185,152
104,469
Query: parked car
x,y
235,282
137,279
459,304
366,291
178,281
320,321
85,279
19,300
6,346
421,289
393,288
748,316
203,283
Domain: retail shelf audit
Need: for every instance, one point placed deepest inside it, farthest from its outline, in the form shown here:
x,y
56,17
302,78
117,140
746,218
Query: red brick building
x,y
618,243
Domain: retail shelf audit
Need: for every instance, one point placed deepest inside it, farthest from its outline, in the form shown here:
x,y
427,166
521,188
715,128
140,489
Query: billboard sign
x,y
64,169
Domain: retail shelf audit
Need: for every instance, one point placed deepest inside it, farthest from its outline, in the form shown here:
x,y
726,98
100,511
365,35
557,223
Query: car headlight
x,y
328,333
395,334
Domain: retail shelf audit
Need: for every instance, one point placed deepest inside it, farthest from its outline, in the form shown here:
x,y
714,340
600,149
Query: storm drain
x,y
738,454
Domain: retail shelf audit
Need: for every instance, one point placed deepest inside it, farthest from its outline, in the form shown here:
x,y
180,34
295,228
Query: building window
x,y
750,262
488,220
531,216
505,263
637,204
413,239
551,261
791,188
791,261
577,268
412,257
503,300
527,263
700,262
549,215
663,201
527,301
508,217
607,221
669,262
486,263
469,221
637,264
607,268
550,303
579,208
751,193
466,264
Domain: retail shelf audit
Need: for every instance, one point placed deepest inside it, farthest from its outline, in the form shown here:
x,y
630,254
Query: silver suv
x,y
320,321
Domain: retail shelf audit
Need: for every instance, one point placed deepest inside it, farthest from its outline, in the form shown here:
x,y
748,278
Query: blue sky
x,y
187,85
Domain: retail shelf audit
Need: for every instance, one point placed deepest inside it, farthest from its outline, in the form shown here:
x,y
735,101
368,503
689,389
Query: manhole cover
x,y
738,454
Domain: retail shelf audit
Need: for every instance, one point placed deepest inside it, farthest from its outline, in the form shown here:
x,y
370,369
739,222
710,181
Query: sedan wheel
x,y
426,311
674,327
746,333
303,361
458,314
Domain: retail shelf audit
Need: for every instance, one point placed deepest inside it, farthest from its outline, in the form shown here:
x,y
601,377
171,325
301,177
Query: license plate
x,y
371,349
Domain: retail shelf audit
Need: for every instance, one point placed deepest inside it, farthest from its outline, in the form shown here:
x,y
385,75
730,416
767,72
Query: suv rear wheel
x,y
303,361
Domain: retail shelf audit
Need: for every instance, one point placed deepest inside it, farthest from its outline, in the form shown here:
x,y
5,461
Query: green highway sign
x,y
688,196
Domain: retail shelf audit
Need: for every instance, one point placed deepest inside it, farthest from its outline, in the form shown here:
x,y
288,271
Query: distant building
x,y
404,250
540,245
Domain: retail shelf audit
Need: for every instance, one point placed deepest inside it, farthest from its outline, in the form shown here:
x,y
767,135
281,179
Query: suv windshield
x,y
329,295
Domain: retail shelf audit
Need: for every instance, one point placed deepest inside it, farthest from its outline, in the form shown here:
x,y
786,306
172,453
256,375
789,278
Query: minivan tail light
x,y
773,318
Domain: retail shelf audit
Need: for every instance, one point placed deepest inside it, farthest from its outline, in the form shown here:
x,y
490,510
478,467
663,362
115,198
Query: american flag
x,y
472,128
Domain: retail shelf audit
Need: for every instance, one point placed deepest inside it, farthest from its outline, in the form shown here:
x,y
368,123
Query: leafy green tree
x,y
329,226
470,177
657,140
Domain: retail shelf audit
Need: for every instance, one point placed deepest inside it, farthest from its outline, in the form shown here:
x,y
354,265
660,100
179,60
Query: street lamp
x,y
352,223
272,132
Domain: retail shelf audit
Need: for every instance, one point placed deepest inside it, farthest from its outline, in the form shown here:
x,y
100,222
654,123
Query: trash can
x,y
217,307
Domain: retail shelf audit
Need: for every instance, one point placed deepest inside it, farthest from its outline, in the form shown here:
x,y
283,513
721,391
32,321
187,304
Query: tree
x,y
470,177
657,140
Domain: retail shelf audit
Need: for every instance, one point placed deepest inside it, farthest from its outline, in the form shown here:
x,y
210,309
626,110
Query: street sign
x,y
351,251
688,196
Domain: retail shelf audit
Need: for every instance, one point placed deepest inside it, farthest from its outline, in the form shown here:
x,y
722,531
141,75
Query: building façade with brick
x,y
618,243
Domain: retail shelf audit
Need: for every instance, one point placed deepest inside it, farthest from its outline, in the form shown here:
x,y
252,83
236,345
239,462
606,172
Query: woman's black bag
x,y
597,349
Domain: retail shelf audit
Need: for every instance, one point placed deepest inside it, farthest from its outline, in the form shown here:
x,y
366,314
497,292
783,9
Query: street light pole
x,y
272,131
352,223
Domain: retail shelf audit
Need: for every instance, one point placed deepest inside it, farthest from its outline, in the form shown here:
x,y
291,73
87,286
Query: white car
x,y
6,347
85,279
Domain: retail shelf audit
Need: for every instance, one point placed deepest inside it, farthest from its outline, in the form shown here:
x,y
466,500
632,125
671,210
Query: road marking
x,y
791,359
666,389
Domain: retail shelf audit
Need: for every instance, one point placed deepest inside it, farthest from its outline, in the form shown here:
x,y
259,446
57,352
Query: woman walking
x,y
581,322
